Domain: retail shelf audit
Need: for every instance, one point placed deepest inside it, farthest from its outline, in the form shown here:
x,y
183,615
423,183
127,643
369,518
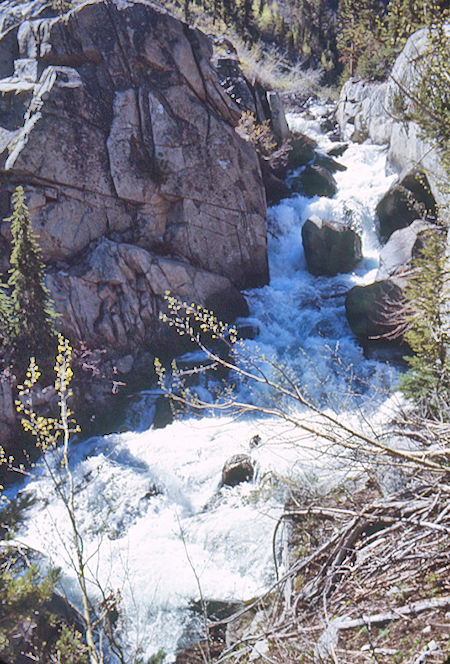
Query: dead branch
x,y
397,614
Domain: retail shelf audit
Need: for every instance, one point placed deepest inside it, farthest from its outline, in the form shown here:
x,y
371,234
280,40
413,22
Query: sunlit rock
x,y
114,121
409,199
370,110
402,246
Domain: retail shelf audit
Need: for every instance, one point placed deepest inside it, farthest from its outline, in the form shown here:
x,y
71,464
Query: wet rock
x,y
416,181
330,246
316,180
276,188
163,413
372,310
247,331
329,163
328,125
216,609
369,308
407,200
228,304
153,490
397,209
337,150
239,468
255,441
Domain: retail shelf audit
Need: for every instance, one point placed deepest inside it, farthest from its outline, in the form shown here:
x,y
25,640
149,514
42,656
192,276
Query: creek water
x,y
155,523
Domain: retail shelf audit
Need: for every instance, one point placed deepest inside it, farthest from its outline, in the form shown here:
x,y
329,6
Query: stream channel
x,y
150,503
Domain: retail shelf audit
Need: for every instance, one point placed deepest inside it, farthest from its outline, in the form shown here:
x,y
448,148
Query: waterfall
x,y
149,498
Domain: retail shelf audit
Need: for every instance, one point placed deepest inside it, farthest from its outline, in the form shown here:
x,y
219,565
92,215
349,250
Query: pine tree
x,y
357,23
427,382
25,595
405,17
32,330
6,316
430,97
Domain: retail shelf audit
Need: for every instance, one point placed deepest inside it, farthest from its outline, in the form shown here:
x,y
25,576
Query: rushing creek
x,y
150,505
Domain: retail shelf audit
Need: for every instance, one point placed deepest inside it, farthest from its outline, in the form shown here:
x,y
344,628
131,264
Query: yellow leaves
x,y
47,430
63,370
194,320
259,135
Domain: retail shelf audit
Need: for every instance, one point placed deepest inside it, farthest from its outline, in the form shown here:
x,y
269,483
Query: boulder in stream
x,y
275,186
239,468
338,149
369,309
330,246
315,180
163,413
303,150
326,161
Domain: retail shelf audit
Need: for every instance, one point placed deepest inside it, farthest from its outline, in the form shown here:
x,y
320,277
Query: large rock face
x,y
113,119
370,110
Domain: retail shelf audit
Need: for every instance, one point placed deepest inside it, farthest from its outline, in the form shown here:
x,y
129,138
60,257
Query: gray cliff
x,y
113,119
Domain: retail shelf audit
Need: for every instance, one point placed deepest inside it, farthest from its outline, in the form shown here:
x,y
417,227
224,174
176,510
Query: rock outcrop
x,y
114,121
370,110
330,246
